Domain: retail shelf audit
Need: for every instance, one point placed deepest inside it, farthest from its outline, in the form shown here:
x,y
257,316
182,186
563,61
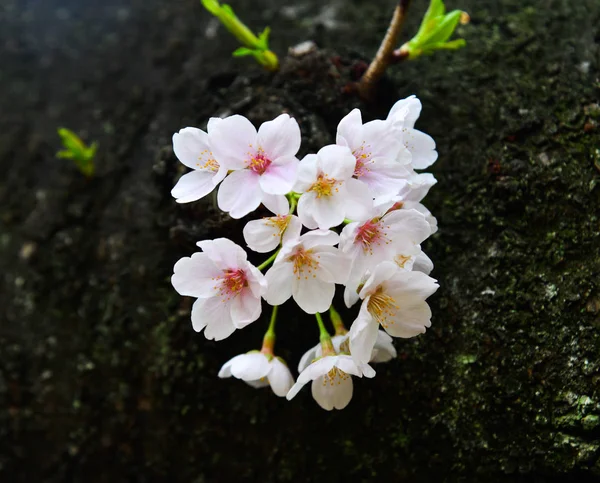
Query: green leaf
x,y
263,38
212,6
436,9
243,51
444,29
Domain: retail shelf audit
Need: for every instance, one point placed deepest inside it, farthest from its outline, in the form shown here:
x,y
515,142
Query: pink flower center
x,y
259,162
371,233
363,158
304,262
232,283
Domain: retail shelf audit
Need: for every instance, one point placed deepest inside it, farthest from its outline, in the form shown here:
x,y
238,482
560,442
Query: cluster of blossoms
x,y
358,203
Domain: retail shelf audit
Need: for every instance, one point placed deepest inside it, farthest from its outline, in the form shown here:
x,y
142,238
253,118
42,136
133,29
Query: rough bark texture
x,y
101,375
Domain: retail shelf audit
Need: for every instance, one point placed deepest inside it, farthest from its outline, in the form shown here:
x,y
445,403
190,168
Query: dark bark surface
x,y
102,377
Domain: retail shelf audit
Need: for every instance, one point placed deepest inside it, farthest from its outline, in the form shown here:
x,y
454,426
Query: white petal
x,y
382,272
259,383
277,204
212,315
421,147
253,366
367,370
245,309
423,263
293,230
307,358
312,372
279,179
279,283
384,349
191,147
193,186
418,186
363,335
262,235
410,320
224,253
336,162
194,276
306,207
280,378
233,140
312,294
327,211
415,285
226,369
406,111
336,265
349,130
307,173
279,137
329,397
240,193
408,224
358,203
381,139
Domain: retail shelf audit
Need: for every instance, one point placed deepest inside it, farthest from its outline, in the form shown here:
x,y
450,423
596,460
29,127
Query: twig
x,y
385,55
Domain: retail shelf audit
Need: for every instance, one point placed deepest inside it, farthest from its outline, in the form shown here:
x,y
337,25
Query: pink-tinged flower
x,y
266,234
192,148
370,242
330,193
383,351
227,286
260,370
379,154
264,163
307,269
331,380
420,145
395,300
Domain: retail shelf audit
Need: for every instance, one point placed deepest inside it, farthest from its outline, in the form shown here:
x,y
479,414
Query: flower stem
x,y
385,55
336,320
268,261
324,337
293,203
269,338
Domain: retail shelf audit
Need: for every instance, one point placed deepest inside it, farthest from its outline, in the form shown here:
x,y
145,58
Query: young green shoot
x,y
434,33
256,46
77,151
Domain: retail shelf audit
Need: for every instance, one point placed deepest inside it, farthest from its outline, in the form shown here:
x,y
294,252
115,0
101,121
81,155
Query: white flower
x,y
420,145
192,148
264,163
370,242
411,192
266,234
329,191
331,380
394,299
260,370
383,350
379,154
227,286
307,268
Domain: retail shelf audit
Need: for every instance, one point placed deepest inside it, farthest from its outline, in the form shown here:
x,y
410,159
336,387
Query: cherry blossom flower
x,y
264,163
266,234
330,193
394,299
331,380
380,238
421,146
307,269
260,370
379,153
227,286
192,148
383,351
